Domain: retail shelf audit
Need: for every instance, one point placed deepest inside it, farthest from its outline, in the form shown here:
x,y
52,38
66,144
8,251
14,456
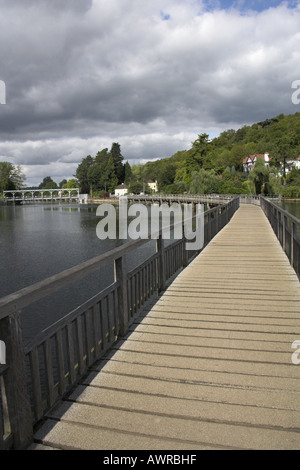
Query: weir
x,y
42,195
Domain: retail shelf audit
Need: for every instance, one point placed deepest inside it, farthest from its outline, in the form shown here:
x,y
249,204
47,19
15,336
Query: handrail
x,y
26,296
286,228
71,345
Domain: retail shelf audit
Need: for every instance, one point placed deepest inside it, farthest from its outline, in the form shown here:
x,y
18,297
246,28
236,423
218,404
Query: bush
x,y
291,192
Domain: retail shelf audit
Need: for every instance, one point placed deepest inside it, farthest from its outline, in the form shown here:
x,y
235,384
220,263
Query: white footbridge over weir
x,y
43,195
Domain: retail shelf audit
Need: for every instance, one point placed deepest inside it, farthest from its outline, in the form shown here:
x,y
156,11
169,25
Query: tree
x,y
71,183
117,159
18,177
111,177
97,174
201,151
135,187
82,173
204,182
166,174
127,173
259,175
6,176
48,183
62,183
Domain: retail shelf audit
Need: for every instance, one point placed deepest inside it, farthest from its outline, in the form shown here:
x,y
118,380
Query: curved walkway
x,y
209,366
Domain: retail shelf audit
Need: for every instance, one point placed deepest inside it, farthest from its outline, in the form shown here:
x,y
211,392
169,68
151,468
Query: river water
x,y
292,207
37,241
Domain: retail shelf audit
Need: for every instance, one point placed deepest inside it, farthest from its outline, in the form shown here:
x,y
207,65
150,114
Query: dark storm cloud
x,y
150,75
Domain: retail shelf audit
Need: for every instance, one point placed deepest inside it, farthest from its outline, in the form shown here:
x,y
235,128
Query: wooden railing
x,y
182,198
34,378
286,228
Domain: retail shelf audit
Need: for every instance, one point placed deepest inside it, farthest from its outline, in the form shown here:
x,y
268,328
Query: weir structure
x,y
41,195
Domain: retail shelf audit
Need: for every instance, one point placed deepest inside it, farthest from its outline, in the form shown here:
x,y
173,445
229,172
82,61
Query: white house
x,y
249,162
121,190
153,185
291,163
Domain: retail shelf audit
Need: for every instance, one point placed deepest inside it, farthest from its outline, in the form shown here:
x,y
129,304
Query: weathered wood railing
x,y
34,378
181,198
287,229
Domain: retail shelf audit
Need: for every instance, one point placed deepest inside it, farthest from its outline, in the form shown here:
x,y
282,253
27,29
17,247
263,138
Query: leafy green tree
x,y
259,176
127,173
6,176
204,182
167,174
71,183
48,183
117,159
293,178
97,174
82,173
18,177
112,179
201,152
62,183
135,187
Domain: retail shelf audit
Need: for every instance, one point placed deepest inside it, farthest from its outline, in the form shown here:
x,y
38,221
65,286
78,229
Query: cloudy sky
x,y
149,74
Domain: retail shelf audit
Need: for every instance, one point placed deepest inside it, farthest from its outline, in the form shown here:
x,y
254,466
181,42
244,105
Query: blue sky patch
x,y
165,16
257,5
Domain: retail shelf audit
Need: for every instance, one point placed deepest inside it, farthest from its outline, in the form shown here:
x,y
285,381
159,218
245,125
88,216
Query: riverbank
x,y
290,200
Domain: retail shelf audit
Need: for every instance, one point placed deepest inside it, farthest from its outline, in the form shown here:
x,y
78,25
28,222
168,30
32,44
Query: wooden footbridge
x,y
211,363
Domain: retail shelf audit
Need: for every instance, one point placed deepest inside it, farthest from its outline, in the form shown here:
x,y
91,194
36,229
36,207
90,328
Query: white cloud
x,y
150,75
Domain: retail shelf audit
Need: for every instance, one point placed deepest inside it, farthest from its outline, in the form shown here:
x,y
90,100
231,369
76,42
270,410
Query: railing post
x,y
160,248
15,381
185,254
292,243
121,278
284,223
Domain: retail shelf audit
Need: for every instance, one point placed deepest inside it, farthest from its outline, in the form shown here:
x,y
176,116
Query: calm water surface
x,y
292,207
37,241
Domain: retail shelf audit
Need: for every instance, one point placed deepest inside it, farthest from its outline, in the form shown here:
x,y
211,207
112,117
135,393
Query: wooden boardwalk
x,y
209,366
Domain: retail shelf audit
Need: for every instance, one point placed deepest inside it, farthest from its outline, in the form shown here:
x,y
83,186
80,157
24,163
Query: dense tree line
x,y
216,165
48,183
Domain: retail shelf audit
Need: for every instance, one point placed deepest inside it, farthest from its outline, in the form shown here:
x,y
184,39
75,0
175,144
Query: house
x,y
291,163
153,185
249,162
121,190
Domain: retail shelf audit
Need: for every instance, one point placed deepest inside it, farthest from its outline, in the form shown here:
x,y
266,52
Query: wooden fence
x,y
36,377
